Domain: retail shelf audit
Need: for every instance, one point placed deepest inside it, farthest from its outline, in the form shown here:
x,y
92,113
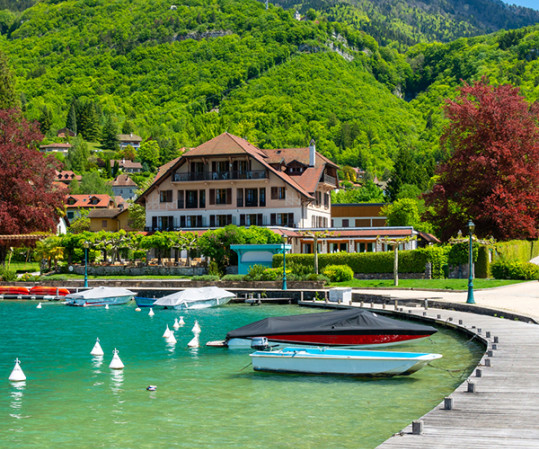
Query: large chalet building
x,y
227,180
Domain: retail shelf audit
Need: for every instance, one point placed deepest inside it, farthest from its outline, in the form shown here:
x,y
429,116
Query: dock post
x,y
417,427
396,303
426,303
471,387
301,296
496,339
487,362
478,373
487,334
448,403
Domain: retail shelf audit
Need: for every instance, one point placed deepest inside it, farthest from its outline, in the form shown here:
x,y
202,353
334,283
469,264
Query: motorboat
x,y
100,296
351,327
195,298
143,301
340,361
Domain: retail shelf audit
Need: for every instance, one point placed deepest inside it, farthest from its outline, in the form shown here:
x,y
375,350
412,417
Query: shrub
x,y
338,273
27,277
205,277
515,270
214,270
233,277
7,275
255,273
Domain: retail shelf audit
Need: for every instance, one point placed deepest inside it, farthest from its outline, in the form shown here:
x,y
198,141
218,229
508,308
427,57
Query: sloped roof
x,y
288,155
224,144
129,138
56,145
105,213
123,181
125,163
85,201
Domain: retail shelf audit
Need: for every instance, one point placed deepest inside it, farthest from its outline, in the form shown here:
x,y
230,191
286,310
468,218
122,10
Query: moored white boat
x,y
100,296
195,298
340,361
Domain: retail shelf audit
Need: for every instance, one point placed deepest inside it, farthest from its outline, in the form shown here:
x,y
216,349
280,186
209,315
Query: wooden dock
x,y
498,405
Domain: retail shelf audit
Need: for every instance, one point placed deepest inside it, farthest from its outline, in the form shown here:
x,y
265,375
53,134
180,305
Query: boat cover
x,y
193,295
101,292
339,321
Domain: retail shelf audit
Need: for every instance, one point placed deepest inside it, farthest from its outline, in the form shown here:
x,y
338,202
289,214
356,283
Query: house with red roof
x,y
127,166
227,180
76,203
56,148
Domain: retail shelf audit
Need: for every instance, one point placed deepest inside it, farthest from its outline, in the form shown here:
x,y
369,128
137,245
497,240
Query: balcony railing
x,y
219,176
330,180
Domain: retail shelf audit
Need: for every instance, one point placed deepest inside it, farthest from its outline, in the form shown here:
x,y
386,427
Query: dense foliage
x,y
492,175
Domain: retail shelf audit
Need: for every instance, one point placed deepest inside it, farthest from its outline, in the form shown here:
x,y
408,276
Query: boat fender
x,y
151,387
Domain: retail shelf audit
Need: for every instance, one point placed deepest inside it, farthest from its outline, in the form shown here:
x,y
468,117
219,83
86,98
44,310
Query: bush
x,y
7,275
338,273
233,277
515,270
27,277
205,277
255,273
517,250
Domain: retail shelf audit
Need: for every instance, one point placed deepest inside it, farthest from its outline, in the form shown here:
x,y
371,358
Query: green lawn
x,y
24,267
429,284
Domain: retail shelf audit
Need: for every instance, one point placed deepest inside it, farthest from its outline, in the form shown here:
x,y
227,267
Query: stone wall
x,y
147,270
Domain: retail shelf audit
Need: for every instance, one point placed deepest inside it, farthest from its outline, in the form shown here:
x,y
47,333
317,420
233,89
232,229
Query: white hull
x,y
245,343
95,302
342,362
199,304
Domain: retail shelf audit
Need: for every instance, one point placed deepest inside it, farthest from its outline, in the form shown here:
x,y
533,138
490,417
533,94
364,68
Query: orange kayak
x,y
42,290
13,290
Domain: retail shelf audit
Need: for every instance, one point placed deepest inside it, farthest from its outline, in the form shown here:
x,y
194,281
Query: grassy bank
x,y
428,284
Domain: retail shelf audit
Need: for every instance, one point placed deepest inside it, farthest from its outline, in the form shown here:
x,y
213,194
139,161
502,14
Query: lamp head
x,y
471,226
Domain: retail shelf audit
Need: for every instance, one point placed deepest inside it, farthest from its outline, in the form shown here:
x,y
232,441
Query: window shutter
x,y
273,219
259,220
169,196
274,193
239,197
262,196
242,219
228,196
229,219
290,219
212,197
181,203
212,221
182,221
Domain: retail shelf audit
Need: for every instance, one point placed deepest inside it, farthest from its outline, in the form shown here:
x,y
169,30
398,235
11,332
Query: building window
x,y
278,193
165,196
239,197
282,219
251,220
327,198
224,220
251,197
104,224
70,215
345,223
220,196
262,197
191,199
181,203
202,199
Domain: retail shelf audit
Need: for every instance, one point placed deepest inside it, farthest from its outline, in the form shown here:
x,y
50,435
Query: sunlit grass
x,y
428,284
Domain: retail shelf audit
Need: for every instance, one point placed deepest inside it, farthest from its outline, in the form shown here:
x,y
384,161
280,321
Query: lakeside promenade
x,y
497,406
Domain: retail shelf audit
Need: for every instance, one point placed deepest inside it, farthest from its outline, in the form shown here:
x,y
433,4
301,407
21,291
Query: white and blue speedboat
x,y
100,296
195,298
340,361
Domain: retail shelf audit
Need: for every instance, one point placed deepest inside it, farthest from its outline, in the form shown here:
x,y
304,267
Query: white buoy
x,y
137,309
171,338
150,313
167,332
97,351
17,375
38,306
181,322
176,325
194,343
106,306
196,328
116,363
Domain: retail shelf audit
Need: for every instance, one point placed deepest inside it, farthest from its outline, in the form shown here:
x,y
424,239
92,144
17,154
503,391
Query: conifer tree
x,y
8,98
109,135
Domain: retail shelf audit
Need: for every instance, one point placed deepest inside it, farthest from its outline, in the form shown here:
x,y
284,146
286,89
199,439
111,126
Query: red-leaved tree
x,y
28,200
492,175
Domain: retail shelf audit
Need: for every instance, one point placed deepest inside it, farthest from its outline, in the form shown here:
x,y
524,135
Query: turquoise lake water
x,y
205,397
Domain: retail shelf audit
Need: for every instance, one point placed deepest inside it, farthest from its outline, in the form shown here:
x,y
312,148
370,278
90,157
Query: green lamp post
x,y
470,299
86,245
284,262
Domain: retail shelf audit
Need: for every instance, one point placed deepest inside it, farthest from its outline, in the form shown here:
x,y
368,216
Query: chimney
x,y
312,153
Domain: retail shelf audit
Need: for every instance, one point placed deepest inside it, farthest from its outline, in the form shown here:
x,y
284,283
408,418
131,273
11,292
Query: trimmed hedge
x,y
515,270
517,250
338,273
410,261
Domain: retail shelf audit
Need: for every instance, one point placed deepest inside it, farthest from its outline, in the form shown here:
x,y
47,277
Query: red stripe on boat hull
x,y
345,339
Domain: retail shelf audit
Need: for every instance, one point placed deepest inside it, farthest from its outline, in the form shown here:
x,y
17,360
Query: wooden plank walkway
x,y
502,410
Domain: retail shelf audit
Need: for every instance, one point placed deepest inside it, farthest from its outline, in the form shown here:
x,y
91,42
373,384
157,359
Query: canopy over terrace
x,y
249,255
15,240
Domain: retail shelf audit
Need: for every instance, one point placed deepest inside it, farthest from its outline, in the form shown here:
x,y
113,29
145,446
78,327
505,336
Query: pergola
x,y
8,241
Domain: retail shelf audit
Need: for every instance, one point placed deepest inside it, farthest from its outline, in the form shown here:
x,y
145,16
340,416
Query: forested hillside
x,y
183,73
402,23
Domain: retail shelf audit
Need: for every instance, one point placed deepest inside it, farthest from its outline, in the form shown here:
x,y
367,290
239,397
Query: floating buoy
x,y
181,322
196,328
97,351
150,313
116,363
176,325
17,374
167,333
151,387
38,306
194,343
137,309
106,306
171,338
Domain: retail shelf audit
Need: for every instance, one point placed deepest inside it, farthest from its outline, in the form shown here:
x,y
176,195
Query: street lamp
x,y
470,300
86,245
284,262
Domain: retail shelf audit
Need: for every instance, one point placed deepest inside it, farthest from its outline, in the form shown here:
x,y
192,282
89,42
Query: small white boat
x,y
195,298
100,296
340,361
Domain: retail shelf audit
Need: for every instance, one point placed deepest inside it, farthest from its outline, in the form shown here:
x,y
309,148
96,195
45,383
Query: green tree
x,y
109,135
8,97
92,183
45,120
71,120
137,216
78,155
148,153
